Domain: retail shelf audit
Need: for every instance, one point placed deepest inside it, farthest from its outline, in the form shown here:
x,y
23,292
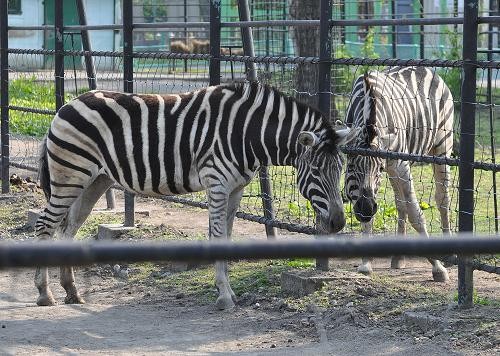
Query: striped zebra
x,y
213,139
407,110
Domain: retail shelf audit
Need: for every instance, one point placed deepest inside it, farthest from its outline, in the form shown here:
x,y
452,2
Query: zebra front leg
x,y
366,262
398,262
417,220
217,208
77,215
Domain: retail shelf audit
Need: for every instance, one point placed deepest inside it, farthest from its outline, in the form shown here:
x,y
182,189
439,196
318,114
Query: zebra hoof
x,y
224,303
46,300
440,275
365,269
74,299
398,262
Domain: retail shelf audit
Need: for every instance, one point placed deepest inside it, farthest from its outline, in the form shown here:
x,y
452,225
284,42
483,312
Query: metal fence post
x,y
251,73
4,94
324,77
214,68
467,137
91,76
394,46
128,87
59,52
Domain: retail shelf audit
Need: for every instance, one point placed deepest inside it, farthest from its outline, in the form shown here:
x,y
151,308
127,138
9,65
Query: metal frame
x,y
4,95
56,253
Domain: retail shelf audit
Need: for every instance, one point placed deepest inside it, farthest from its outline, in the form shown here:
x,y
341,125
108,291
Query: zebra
x,y
406,110
212,139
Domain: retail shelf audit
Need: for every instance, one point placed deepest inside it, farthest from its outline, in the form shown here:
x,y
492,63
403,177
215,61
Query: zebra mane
x,y
239,87
370,107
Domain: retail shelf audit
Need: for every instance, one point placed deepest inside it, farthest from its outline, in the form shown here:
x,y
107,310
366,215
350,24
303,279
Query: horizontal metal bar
x,y
269,59
57,253
169,55
50,52
179,24
272,23
32,110
304,229
402,21
23,166
32,28
398,62
93,27
489,19
416,158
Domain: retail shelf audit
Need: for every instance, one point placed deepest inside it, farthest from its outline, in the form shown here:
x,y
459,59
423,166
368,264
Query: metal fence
x,y
304,49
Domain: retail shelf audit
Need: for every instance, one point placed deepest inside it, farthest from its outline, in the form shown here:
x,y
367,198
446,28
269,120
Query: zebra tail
x,y
43,169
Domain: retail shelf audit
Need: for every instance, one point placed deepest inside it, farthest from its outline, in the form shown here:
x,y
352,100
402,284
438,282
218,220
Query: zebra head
x,y
363,173
318,176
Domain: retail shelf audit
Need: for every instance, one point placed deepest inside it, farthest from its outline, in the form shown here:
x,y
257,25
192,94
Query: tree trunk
x,y
307,45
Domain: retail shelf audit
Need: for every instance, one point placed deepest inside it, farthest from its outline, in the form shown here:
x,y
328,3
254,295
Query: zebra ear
x,y
347,135
308,138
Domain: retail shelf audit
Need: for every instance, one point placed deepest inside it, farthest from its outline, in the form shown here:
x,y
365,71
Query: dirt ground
x,y
168,309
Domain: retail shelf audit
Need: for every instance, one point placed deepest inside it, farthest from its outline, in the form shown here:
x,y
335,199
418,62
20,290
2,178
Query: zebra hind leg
x,y
77,215
61,198
417,219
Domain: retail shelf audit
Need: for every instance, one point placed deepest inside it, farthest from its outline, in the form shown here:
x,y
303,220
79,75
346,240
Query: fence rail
x,y
57,253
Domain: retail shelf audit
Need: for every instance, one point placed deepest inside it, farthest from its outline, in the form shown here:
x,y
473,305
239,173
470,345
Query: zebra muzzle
x,y
365,209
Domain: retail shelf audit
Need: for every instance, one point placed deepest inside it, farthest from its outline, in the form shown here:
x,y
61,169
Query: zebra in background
x,y
406,110
213,139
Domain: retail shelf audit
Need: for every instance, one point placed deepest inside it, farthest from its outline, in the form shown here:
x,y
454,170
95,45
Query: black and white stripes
x,y
407,110
213,139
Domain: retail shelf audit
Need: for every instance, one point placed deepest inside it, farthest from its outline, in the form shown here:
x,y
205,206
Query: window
x,y
14,7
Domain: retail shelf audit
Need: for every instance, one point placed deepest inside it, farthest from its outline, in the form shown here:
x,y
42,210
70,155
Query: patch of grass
x,y
28,92
479,300
89,227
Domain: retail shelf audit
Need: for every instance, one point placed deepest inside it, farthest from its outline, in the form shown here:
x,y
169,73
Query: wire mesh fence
x,y
176,59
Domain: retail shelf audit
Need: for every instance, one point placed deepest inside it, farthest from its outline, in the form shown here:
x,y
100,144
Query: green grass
x,y
478,300
27,92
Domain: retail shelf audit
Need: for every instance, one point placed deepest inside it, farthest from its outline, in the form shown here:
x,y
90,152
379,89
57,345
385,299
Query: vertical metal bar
x,y
4,94
185,35
248,50
214,68
128,86
89,60
324,77
467,138
422,29
393,29
59,52
342,17
489,94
